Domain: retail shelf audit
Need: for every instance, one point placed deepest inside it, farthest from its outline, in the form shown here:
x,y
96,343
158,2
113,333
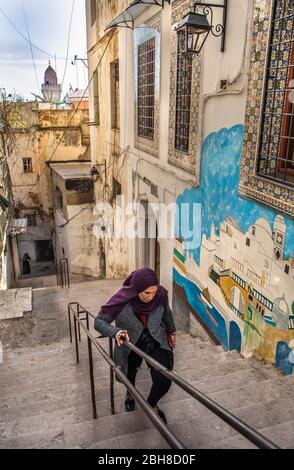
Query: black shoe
x,y
161,414
129,404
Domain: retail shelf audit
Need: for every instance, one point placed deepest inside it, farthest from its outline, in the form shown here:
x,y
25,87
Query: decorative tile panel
x,y
272,193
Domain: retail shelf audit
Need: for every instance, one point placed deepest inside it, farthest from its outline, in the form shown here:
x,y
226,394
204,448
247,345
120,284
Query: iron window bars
x,y
27,165
183,97
146,89
115,108
276,145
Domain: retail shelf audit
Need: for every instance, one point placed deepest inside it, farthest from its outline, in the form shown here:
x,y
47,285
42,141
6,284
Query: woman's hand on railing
x,y
121,337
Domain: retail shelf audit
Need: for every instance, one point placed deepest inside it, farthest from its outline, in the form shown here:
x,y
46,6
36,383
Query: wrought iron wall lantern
x,y
96,174
195,27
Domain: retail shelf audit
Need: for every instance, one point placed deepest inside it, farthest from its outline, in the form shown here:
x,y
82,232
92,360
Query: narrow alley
x,y
147,192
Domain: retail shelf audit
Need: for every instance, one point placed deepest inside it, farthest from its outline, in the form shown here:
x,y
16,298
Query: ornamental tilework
x,y
150,29
276,195
188,161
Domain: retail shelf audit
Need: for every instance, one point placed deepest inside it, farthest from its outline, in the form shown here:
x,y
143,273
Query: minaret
x,y
279,237
212,233
51,89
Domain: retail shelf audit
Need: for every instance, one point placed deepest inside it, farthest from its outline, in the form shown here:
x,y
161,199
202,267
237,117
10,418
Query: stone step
x,y
274,389
195,429
221,365
200,431
20,368
77,410
281,434
49,398
44,351
65,354
219,368
149,438
29,354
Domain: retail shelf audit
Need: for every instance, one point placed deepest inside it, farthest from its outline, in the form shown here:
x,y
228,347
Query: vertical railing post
x,y
61,274
76,340
67,273
79,326
69,323
111,378
92,380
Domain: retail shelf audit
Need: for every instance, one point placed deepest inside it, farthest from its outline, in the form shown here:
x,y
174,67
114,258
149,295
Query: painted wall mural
x,y
239,282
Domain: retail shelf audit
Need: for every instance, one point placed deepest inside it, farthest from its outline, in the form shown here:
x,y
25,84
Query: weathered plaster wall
x,y
105,141
42,140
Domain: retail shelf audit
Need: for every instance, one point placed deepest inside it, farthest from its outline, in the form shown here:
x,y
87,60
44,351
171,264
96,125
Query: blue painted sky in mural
x,y
218,191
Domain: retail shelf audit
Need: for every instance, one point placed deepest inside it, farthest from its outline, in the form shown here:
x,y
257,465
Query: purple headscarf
x,y
138,281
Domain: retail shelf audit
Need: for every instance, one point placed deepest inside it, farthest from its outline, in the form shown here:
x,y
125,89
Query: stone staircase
x,y
46,402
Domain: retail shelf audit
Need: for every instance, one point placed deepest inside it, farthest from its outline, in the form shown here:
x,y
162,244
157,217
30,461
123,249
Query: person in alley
x,y
143,317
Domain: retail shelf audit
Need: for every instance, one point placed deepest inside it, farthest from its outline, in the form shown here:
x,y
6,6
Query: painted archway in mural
x,y
284,358
235,337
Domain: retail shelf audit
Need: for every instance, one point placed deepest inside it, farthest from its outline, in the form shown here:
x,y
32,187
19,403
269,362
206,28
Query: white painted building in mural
x,y
250,257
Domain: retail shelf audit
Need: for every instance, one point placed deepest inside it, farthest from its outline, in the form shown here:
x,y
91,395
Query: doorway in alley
x,y
149,255
44,250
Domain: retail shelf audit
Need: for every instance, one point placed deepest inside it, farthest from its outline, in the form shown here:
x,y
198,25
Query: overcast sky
x,y
48,24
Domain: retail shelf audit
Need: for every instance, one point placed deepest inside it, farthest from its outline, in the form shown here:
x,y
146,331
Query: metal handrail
x,y
236,423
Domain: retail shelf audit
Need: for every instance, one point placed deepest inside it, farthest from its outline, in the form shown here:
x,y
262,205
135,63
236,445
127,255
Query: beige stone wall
x,y
105,141
47,135
43,139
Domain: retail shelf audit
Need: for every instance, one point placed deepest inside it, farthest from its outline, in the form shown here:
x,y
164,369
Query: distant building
x,y
77,98
38,145
51,89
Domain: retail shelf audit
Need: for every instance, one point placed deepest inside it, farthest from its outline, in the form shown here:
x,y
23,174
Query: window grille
x,y
183,97
93,7
276,146
32,220
27,165
115,105
146,89
79,185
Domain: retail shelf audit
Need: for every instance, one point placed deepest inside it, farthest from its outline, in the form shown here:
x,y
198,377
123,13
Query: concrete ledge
x,y
15,302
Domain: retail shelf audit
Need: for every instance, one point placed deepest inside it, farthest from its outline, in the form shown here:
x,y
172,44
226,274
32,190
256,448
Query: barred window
x,y
93,8
115,105
79,185
276,146
27,165
146,89
32,220
183,97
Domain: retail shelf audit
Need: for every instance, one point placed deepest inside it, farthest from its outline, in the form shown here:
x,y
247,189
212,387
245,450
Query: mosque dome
x,y
50,76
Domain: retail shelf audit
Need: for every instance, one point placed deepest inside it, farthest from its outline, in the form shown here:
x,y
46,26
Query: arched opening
x,y
235,337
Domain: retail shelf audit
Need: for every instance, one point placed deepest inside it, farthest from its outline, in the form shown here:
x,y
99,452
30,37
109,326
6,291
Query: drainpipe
x,y
242,88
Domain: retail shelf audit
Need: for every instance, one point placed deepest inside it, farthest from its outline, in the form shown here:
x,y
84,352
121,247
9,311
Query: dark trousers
x,y
160,383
